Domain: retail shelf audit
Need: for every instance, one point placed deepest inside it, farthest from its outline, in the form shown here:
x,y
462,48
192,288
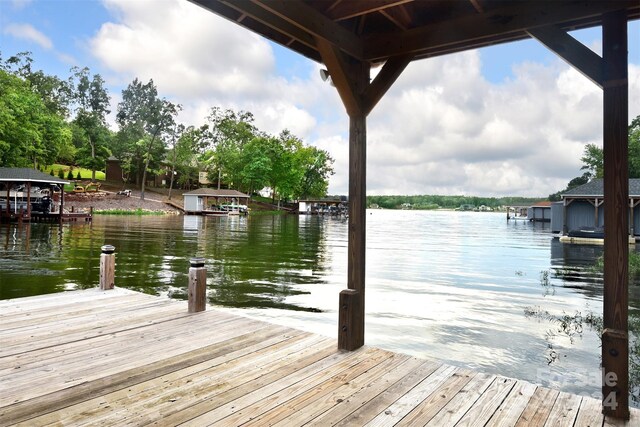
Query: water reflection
x,y
448,285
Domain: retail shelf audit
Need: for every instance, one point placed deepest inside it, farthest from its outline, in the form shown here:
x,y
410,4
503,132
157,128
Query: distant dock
x,y
120,357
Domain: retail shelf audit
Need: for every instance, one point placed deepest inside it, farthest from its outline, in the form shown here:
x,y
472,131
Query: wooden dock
x,y
123,358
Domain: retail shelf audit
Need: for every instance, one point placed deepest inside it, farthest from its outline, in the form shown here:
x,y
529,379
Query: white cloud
x,y
187,51
442,128
445,129
28,32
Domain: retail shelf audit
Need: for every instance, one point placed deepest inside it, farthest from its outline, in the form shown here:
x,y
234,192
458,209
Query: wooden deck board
x,y
123,358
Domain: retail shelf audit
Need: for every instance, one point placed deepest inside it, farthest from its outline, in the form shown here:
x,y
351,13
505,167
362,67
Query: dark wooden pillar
x,y
615,340
352,301
351,79
609,73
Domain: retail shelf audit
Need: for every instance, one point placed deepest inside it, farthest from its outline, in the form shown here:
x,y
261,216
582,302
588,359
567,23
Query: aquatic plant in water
x,y
572,326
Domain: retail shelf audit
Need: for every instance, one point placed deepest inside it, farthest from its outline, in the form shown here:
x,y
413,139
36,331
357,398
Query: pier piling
x,y
197,285
107,267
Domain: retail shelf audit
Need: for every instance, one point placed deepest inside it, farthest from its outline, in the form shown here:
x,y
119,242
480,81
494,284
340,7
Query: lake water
x,y
459,287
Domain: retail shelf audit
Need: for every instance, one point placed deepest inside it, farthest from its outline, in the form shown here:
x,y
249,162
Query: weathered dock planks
x,y
119,357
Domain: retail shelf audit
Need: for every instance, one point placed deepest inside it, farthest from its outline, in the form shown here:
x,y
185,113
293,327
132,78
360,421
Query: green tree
x,y
92,107
317,167
55,93
286,171
593,161
190,147
229,132
146,119
256,164
30,134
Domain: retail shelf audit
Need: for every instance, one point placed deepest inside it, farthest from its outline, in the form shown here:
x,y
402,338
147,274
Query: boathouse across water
x,y
584,206
28,194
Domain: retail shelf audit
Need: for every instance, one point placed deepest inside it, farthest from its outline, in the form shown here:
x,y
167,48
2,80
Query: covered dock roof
x,y
351,36
210,192
595,188
24,175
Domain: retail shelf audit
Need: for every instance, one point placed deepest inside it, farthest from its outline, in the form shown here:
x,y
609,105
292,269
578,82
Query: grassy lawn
x,y
84,173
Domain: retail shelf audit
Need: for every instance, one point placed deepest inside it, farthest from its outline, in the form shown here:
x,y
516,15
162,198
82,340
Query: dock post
x,y
351,332
197,285
107,267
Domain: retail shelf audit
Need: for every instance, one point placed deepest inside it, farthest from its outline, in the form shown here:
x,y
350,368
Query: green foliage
x,y
81,173
575,182
235,151
593,161
70,175
30,134
91,135
60,173
446,202
145,120
634,266
572,326
46,120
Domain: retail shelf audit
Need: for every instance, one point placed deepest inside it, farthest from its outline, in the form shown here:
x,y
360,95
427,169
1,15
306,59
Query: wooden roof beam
x,y
477,6
350,8
389,73
313,22
342,72
399,16
498,22
572,51
270,20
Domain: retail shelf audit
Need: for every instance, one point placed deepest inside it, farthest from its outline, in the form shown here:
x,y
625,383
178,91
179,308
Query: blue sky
x,y
508,119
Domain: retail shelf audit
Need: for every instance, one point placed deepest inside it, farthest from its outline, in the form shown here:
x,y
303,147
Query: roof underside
x,y
376,30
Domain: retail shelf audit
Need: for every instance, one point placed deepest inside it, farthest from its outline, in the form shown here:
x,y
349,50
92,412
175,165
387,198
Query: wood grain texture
x,y
164,366
616,212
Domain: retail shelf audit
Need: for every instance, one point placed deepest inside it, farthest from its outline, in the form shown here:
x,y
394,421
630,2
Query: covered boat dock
x,y
351,37
32,196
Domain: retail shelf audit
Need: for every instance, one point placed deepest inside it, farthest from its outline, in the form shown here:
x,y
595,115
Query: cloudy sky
x,y
504,120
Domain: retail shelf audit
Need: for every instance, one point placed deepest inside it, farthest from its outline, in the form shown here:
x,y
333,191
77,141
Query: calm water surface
x,y
454,286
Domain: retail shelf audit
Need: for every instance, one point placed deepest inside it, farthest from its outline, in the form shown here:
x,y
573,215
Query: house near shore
x,y
583,207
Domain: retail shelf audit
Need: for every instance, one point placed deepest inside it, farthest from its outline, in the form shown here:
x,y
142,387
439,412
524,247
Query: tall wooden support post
x,y
197,285
351,314
107,267
351,79
615,340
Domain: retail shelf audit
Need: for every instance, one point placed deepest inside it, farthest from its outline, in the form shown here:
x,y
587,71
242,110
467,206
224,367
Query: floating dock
x,y
119,357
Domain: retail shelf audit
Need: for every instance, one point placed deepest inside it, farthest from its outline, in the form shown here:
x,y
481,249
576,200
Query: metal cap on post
x,y
107,267
197,285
